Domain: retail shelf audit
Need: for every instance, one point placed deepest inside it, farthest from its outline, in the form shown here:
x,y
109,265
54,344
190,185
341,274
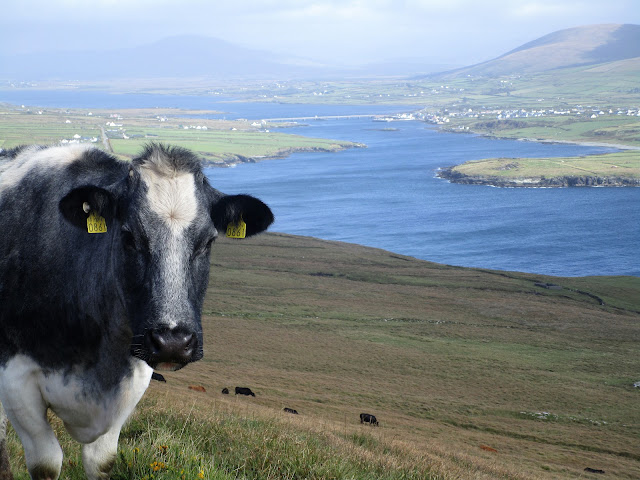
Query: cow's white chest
x,y
86,411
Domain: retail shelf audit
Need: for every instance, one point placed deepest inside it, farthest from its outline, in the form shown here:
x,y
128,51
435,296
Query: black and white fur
x,y
85,317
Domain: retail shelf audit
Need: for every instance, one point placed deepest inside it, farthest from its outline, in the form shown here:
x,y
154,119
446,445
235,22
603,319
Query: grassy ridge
x,y
471,373
220,142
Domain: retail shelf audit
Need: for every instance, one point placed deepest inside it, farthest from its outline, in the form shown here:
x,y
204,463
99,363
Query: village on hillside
x,y
444,117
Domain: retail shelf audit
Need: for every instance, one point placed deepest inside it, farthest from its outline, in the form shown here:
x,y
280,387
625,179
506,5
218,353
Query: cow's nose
x,y
171,348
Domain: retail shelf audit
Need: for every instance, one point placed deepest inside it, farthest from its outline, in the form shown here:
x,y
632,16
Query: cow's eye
x,y
205,248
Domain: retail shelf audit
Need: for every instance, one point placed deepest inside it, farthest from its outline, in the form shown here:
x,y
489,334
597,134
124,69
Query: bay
x,y
387,195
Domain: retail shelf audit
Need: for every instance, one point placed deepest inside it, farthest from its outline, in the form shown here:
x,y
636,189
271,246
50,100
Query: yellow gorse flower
x,y
156,466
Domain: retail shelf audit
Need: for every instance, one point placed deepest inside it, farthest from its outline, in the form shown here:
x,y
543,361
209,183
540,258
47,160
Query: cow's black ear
x,y
233,208
77,205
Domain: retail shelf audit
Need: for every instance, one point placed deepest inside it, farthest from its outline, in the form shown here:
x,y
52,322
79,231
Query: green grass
x,y
228,442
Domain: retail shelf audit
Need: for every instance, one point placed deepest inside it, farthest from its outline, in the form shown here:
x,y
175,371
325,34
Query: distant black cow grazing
x,y
290,410
225,391
368,418
244,391
104,266
158,377
594,470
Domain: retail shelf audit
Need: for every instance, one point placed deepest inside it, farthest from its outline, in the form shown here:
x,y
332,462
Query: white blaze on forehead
x,y
175,306
171,195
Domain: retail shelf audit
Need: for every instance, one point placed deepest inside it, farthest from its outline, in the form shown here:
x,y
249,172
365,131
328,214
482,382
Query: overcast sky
x,y
453,32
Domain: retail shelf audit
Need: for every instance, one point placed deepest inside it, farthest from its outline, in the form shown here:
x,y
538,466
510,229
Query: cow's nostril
x,y
156,341
190,343
172,346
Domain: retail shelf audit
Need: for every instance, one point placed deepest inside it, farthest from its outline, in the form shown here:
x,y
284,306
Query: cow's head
x,y
167,216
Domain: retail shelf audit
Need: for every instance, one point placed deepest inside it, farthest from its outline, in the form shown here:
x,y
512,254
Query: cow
x,y
290,410
244,391
225,391
104,264
368,418
158,377
198,388
594,470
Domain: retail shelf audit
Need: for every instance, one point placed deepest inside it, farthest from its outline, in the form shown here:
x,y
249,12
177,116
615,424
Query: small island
x,y
620,169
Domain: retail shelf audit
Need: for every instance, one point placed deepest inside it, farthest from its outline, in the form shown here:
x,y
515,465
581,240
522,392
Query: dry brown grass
x,y
448,359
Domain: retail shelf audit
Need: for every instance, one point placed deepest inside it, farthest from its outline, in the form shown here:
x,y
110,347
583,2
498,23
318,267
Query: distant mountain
x,y
173,57
183,57
573,47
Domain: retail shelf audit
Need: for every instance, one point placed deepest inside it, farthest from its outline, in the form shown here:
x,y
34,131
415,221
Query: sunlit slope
x,y
579,46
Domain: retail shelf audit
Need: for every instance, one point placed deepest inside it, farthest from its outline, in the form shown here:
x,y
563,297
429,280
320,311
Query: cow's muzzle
x,y
171,348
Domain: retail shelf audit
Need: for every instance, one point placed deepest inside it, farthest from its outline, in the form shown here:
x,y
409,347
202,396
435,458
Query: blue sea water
x,y
387,195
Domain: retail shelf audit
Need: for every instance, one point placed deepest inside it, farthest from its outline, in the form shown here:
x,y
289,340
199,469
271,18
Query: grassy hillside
x,y
584,45
471,373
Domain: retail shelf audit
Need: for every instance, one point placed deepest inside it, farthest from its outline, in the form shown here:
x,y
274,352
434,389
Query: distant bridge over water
x,y
321,117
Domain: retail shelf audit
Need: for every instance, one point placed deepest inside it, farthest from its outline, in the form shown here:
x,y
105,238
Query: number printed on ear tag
x,y
96,223
237,230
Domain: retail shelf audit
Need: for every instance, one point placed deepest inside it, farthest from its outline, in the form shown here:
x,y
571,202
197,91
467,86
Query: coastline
x,y
232,160
564,181
539,179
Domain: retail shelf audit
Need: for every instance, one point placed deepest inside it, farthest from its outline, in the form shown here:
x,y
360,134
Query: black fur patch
x,y
233,208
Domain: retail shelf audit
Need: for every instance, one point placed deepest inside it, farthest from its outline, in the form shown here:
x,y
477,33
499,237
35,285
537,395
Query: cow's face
x,y
167,217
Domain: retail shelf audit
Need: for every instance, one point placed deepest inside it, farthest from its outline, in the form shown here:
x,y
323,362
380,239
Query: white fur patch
x,y
25,390
174,289
172,195
13,171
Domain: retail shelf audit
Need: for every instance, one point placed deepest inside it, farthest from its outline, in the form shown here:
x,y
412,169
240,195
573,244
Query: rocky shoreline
x,y
231,160
450,174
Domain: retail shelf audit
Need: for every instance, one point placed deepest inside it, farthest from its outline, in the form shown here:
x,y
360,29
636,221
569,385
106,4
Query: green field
x,y
472,374
219,142
618,168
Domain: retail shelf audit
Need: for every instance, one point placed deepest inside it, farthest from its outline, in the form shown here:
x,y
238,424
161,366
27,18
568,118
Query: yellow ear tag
x,y
237,230
96,223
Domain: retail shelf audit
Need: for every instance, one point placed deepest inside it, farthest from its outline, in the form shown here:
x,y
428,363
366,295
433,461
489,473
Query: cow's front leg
x,y
99,457
28,415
